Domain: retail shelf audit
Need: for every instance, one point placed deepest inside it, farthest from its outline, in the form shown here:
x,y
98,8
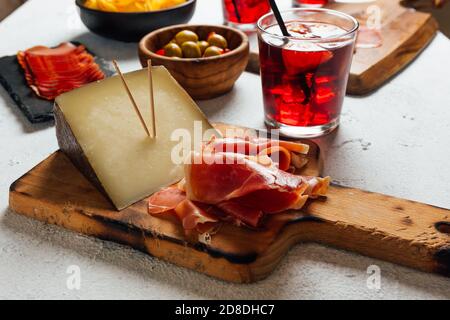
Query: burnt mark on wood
x,y
114,224
231,257
399,208
406,221
14,186
124,227
302,218
443,226
24,193
135,245
442,257
306,218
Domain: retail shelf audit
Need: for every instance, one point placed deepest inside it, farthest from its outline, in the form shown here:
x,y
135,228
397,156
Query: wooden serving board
x,y
404,31
401,231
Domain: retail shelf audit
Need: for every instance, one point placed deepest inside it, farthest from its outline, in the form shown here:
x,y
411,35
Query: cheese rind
x,y
115,148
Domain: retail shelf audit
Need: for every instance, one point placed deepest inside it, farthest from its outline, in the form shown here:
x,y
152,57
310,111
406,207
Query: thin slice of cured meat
x,y
53,71
166,200
246,188
282,152
234,187
252,145
218,177
241,214
173,199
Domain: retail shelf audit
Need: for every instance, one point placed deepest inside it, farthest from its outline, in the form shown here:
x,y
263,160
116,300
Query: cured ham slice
x,y
282,152
220,177
252,145
52,71
166,199
235,187
191,214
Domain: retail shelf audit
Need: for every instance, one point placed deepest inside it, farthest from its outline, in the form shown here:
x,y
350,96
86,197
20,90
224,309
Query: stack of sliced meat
x,y
238,180
52,71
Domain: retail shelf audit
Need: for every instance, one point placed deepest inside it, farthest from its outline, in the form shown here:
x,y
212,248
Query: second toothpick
x,y
152,98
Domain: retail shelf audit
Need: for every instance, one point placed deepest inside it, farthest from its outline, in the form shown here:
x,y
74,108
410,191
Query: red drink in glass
x,y
244,14
304,77
310,3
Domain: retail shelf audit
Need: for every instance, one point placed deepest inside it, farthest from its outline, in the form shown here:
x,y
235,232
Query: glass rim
x,y
323,10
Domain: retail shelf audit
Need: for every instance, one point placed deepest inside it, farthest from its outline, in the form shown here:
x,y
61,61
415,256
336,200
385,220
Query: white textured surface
x,y
395,141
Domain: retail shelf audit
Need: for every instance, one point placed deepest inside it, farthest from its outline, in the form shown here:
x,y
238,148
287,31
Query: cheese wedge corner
x,y
98,129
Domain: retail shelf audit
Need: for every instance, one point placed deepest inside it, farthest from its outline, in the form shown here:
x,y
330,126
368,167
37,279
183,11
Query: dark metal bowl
x,y
132,26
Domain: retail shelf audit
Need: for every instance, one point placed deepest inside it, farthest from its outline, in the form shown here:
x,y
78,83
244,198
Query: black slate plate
x,y
36,110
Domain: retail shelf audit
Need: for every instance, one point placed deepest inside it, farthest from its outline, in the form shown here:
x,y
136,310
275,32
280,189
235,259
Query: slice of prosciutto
x,y
285,154
52,71
246,181
235,187
174,199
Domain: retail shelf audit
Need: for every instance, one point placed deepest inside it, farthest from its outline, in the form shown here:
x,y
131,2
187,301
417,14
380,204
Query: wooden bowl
x,y
202,78
132,26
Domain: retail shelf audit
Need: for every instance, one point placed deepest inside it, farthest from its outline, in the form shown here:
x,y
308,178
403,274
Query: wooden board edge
x,y
382,246
380,73
253,63
307,228
198,259
428,251
191,256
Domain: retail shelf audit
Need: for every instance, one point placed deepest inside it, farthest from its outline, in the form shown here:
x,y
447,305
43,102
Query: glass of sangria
x,y
310,3
304,76
244,14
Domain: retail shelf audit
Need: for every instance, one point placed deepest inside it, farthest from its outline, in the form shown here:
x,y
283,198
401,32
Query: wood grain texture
x,y
405,33
401,231
204,78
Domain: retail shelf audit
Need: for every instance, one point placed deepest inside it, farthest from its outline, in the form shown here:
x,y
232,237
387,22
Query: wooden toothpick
x,y
133,102
152,98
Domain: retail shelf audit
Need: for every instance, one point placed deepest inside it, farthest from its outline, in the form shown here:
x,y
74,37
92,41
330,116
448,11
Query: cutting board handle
x,y
397,230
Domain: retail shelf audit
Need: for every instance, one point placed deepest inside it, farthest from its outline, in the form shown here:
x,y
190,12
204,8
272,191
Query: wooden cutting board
x,y
401,231
404,32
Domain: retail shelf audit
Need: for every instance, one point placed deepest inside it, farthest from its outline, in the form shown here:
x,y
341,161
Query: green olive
x,y
186,35
173,50
203,45
218,41
191,50
213,51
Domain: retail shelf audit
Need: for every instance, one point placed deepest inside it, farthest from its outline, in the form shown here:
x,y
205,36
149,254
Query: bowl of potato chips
x,y
130,20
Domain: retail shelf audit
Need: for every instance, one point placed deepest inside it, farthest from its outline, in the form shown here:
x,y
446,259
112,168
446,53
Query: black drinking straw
x,y
277,15
236,11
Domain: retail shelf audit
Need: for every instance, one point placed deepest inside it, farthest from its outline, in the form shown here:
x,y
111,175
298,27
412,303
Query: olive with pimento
x,y
184,36
213,51
186,44
173,50
203,45
217,40
191,50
